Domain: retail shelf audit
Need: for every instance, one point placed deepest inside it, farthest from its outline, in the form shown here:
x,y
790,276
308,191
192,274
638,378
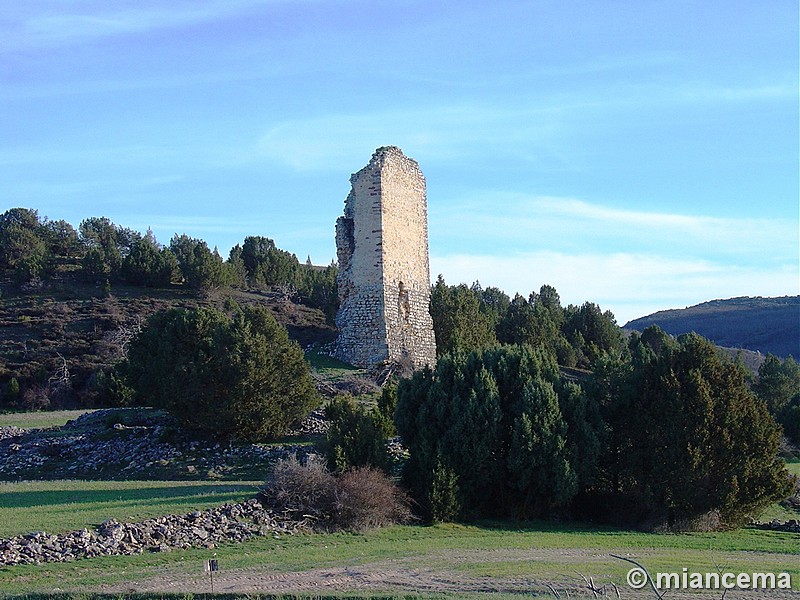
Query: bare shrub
x,y
35,397
367,498
708,521
358,499
308,488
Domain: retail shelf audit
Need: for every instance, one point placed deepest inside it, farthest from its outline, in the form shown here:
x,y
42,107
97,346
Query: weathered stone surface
x,y
384,272
206,529
8,432
792,525
92,447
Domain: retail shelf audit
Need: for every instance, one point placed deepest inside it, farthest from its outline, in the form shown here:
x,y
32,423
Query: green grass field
x,y
329,367
61,506
496,552
39,420
538,551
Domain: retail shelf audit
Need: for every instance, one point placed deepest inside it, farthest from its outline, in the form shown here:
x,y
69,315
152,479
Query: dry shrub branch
x,y
356,500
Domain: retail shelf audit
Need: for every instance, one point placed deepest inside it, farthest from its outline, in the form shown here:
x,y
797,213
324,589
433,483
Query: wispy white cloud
x,y
716,93
119,83
507,222
49,24
631,261
436,133
533,126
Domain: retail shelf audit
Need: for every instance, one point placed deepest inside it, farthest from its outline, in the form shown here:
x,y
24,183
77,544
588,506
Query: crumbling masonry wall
x,y
384,271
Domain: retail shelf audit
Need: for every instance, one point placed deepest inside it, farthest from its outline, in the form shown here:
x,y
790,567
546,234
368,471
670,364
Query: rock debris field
x,y
142,444
134,444
206,529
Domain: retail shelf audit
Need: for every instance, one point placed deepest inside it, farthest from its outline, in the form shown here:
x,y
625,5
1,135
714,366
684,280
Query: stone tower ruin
x,y
384,274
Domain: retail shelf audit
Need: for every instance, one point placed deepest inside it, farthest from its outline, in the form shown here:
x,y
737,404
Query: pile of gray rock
x,y
98,446
8,432
792,525
314,424
206,529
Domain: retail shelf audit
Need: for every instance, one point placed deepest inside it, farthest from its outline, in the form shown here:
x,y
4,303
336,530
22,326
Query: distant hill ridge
x,y
766,325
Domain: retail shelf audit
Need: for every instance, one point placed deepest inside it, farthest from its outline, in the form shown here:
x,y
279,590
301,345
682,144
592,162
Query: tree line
x,y
665,435
32,248
468,318
473,318
650,430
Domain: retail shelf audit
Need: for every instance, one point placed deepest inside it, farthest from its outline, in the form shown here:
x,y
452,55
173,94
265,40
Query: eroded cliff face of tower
x,y
384,272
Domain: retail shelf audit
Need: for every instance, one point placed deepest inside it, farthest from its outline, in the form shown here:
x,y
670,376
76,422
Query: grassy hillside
x,y
765,325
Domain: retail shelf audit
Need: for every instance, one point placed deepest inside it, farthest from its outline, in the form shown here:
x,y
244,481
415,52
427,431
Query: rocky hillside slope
x,y
140,443
765,325
71,329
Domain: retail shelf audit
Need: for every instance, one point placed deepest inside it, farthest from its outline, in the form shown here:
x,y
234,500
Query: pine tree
x,y
458,322
687,435
237,376
496,426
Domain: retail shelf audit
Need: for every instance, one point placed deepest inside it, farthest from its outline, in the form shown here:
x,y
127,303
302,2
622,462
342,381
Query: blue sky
x,y
641,155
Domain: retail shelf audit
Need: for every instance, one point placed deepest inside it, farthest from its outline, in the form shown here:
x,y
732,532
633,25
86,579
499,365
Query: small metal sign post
x,y
211,566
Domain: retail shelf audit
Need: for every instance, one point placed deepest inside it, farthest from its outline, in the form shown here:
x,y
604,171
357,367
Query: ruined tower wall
x,y
384,273
406,270
362,329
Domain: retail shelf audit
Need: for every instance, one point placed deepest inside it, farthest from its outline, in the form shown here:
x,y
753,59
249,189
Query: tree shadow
x,y
152,495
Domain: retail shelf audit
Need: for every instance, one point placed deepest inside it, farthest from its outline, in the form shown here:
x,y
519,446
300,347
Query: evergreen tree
x,y
458,323
537,321
237,272
236,376
200,267
23,244
778,386
109,242
318,288
62,239
778,382
268,265
494,303
149,265
356,437
495,429
687,436
539,457
591,332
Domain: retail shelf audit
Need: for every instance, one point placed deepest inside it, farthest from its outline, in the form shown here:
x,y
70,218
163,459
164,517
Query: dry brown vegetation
x,y
356,500
72,324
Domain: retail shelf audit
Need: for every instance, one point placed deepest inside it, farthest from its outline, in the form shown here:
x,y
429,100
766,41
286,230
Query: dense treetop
x,y
236,376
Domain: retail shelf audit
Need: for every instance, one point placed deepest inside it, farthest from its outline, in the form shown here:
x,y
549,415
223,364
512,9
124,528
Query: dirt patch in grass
x,y
538,572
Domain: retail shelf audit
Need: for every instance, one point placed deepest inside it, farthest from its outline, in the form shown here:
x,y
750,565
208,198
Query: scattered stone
x,y
97,446
791,526
10,431
315,423
198,529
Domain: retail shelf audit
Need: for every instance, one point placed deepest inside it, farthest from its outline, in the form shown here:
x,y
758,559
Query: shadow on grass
x,y
549,526
323,362
154,495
